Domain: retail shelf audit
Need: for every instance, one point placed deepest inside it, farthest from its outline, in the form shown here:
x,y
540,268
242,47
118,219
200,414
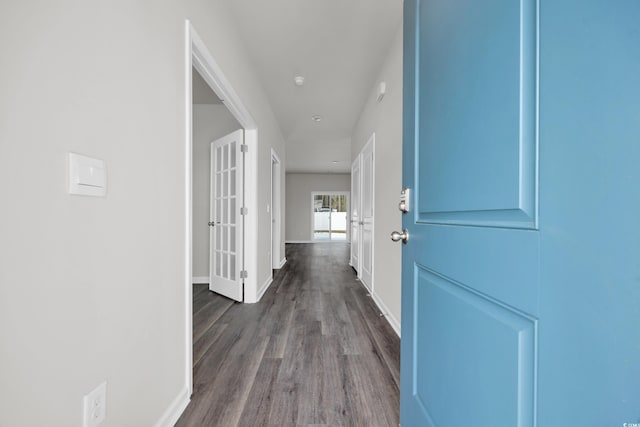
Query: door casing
x,y
198,56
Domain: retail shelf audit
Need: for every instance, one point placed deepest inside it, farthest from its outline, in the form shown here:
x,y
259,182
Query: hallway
x,y
313,351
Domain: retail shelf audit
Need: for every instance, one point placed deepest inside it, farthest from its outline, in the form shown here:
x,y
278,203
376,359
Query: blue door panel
x,y
484,359
590,213
470,269
499,262
479,80
521,277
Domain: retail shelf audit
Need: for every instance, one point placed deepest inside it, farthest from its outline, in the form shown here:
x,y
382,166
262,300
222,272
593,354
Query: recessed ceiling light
x,y
316,118
299,80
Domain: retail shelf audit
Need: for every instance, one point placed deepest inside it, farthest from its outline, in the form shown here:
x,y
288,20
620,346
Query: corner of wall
x,y
174,410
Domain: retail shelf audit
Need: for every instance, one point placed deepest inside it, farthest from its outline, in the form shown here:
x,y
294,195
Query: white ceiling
x,y
339,47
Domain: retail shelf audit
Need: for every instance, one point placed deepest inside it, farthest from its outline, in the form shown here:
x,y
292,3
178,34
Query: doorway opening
x,y
198,57
329,216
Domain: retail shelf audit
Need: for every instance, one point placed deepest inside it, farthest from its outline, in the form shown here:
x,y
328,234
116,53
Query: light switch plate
x,y
87,176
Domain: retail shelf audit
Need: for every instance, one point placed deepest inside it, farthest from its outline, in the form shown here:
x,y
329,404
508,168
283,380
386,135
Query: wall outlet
x,y
95,406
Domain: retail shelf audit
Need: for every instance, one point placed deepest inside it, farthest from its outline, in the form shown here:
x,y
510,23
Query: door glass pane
x,y
218,262
225,267
225,183
232,183
225,238
232,211
225,158
232,267
232,239
218,158
233,154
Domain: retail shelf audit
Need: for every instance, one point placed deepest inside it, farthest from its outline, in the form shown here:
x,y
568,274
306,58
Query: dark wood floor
x,y
313,352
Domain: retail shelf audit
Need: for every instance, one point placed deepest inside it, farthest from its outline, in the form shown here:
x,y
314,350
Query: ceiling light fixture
x,y
299,80
335,162
316,118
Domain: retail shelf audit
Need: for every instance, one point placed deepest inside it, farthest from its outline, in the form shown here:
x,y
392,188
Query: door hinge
x,y
243,274
244,148
244,211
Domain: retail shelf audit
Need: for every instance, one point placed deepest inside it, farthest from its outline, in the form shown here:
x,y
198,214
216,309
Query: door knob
x,y
396,236
212,223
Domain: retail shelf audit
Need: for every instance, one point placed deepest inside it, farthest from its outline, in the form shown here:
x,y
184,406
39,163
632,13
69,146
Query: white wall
x,y
210,122
385,119
93,288
299,187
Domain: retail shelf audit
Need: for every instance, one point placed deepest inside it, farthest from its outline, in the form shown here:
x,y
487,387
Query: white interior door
x,y
275,211
355,215
225,216
366,214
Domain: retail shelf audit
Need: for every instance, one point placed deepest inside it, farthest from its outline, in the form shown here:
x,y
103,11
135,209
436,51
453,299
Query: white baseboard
x,y
264,288
173,412
282,263
395,324
384,309
200,279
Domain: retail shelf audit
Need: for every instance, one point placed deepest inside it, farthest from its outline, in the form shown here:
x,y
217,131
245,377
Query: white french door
x,y
225,218
366,213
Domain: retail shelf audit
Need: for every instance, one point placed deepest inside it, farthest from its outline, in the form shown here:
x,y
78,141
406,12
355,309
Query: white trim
x,y
211,72
251,219
282,263
175,409
198,56
387,313
200,280
264,288
188,166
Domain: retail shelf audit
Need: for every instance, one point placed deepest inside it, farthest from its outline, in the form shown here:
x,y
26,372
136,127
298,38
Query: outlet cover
x,y
95,406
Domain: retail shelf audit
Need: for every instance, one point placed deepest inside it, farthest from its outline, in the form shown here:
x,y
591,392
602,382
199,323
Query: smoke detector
x,y
299,80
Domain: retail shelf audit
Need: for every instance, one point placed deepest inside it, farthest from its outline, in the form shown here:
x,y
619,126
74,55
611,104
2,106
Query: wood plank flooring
x,y
313,352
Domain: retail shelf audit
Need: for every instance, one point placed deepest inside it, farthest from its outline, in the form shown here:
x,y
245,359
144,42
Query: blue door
x,y
521,274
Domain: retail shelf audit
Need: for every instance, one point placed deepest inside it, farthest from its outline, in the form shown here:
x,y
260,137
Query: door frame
x,y
198,56
277,261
